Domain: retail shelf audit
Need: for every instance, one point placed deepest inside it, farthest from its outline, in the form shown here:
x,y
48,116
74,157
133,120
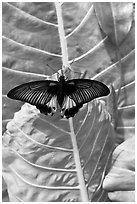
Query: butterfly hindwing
x,y
84,90
36,93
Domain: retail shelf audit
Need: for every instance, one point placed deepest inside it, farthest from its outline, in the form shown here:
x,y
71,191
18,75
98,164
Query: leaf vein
x,y
30,48
43,145
45,187
43,167
82,22
107,135
33,17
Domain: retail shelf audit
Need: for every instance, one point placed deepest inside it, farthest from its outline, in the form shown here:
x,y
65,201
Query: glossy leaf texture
x,y
38,155
115,19
31,41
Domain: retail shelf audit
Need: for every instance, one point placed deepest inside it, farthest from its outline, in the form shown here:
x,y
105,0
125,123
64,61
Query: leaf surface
x,y
31,41
39,155
115,19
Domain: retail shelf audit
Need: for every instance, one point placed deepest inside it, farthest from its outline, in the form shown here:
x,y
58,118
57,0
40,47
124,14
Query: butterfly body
x,y
70,95
61,90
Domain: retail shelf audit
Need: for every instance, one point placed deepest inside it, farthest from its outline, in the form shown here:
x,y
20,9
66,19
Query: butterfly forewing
x,y
36,93
84,90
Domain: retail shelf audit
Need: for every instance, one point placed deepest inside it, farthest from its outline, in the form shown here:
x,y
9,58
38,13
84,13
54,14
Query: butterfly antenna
x,y
51,68
61,71
72,61
74,71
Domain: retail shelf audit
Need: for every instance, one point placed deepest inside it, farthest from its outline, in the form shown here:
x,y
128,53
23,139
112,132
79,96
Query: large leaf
x,y
45,160
31,40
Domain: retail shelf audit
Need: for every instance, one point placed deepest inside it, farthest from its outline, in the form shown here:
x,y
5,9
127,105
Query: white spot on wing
x,y
53,105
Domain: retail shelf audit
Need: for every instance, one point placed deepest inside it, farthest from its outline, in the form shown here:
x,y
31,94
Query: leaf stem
x,y
83,189
62,35
80,175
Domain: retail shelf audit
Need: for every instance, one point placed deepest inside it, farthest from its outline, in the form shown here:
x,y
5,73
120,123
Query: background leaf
x,y
31,40
115,19
120,181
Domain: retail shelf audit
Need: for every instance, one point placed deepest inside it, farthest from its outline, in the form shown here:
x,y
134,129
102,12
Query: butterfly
x,y
70,95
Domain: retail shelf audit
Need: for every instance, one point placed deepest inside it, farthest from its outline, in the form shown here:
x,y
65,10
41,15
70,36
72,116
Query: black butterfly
x,y
69,94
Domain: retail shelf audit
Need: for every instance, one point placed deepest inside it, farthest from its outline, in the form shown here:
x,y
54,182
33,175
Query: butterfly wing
x,y
38,93
44,94
80,91
84,90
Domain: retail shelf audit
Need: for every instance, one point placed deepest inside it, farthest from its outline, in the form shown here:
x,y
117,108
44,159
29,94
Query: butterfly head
x,y
61,76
